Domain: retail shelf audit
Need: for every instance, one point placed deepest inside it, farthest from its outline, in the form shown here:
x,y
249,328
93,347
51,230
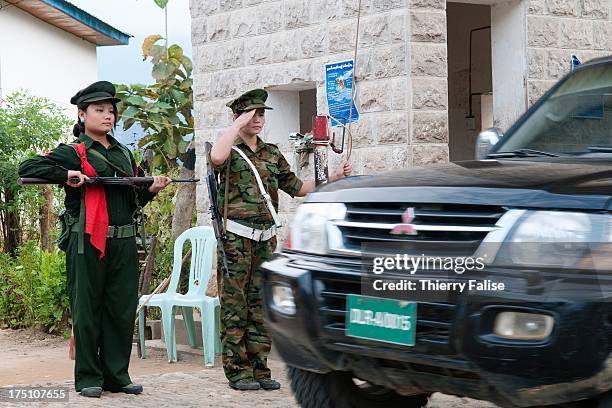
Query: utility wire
x,y
349,149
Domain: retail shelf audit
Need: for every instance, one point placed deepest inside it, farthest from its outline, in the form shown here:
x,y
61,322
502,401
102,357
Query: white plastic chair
x,y
203,245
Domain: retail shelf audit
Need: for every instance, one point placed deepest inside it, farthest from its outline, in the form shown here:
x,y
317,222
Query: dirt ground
x,y
34,358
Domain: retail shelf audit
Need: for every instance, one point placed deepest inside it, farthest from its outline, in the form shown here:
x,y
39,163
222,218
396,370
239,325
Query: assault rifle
x,y
112,181
215,214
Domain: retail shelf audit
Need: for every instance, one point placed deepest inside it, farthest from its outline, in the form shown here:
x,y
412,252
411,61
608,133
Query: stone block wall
x,y
402,87
558,28
401,71
428,109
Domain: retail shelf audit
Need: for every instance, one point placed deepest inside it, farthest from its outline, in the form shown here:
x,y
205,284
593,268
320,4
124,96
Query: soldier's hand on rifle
x,y
159,183
76,178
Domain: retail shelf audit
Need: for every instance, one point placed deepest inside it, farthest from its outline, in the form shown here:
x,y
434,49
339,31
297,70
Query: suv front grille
x,y
441,229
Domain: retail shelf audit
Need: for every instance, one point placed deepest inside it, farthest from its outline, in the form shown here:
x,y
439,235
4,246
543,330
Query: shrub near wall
x,y
33,289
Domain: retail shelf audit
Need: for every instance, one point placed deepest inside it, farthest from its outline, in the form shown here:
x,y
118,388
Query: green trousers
x,y
246,343
103,299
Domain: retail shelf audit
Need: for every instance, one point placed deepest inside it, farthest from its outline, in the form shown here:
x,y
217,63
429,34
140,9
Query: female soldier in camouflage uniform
x,y
250,236
100,245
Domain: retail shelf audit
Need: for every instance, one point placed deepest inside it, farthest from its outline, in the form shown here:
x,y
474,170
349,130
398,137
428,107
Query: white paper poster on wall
x,y
339,90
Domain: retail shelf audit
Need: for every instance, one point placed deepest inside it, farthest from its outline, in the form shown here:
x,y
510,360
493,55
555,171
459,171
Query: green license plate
x,y
386,320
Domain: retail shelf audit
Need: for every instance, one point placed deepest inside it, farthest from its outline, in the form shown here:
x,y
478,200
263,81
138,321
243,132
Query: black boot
x,y
92,392
244,385
128,389
268,384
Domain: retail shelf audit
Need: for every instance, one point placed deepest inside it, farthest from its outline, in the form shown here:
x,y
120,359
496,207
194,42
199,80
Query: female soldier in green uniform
x,y
101,253
250,235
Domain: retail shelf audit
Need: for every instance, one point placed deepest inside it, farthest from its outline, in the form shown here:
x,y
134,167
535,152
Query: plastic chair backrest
x,y
203,245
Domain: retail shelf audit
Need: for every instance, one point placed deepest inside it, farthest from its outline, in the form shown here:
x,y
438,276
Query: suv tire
x,y
338,390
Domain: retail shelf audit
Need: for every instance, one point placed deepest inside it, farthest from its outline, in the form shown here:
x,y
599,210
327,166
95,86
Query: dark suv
x,y
528,324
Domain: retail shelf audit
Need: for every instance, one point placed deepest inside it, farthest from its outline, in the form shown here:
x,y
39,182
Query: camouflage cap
x,y
253,99
98,91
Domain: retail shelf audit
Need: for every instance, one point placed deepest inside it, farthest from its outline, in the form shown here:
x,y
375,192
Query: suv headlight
x,y
311,230
556,239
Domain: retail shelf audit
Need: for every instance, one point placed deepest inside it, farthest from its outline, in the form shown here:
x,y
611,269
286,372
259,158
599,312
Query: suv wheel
x,y
340,390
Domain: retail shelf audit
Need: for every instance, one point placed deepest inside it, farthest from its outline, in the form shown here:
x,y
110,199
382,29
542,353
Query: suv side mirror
x,y
486,140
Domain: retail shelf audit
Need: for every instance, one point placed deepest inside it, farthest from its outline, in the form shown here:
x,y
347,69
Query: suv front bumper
x,y
455,351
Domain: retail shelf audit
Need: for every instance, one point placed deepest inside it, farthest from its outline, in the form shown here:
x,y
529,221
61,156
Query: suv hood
x,y
541,183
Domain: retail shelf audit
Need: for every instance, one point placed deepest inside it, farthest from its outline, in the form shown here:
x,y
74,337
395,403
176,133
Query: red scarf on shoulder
x,y
96,214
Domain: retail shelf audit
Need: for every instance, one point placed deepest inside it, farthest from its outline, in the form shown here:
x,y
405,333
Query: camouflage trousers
x,y
245,342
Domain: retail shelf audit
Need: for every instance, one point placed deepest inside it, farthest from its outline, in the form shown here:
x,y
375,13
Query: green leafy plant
x,y
163,109
33,289
28,125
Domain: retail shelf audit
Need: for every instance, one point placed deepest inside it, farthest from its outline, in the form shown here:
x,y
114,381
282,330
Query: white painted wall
x,y
283,119
509,58
43,59
461,19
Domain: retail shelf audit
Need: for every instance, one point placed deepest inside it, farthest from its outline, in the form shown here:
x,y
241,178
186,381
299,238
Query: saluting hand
x,y
244,119
76,178
159,183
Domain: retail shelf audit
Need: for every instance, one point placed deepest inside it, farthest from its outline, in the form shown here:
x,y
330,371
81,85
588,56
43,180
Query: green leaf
x,y
161,3
170,148
155,121
153,108
188,65
128,123
176,52
158,161
158,53
164,105
182,147
170,82
136,100
162,71
173,119
186,84
152,95
130,112
179,97
175,62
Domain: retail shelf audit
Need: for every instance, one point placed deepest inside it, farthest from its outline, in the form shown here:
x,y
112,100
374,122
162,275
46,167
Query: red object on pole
x,y
319,129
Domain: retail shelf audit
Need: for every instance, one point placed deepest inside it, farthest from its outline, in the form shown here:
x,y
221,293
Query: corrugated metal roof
x,y
72,19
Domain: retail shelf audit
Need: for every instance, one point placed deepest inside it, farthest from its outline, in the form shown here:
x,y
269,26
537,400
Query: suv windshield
x,y
575,119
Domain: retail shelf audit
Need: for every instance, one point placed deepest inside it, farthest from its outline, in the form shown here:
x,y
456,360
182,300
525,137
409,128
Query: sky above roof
x,y
140,18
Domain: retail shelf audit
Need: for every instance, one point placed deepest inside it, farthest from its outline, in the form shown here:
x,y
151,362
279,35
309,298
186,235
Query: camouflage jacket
x,y
245,202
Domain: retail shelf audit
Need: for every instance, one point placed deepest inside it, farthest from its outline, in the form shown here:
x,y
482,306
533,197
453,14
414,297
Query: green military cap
x,y
98,91
253,99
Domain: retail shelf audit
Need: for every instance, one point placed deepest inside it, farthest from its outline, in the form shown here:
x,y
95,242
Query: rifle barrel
x,y
106,180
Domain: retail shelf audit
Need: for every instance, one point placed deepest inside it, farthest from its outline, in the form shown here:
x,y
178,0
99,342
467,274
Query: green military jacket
x,y
120,200
245,201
